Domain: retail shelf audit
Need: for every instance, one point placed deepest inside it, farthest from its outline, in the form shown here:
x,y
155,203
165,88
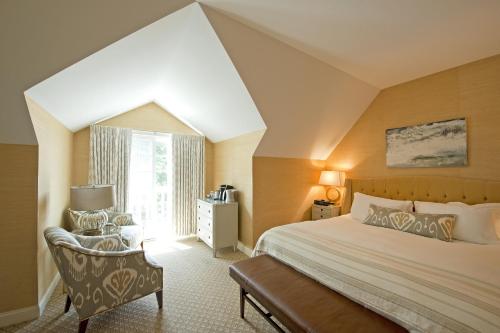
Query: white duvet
x,y
421,283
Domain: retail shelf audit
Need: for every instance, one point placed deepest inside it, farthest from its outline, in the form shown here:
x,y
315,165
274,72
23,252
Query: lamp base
x,y
336,194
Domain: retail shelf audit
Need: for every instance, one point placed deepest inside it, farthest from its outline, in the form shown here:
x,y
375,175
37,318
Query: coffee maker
x,y
222,191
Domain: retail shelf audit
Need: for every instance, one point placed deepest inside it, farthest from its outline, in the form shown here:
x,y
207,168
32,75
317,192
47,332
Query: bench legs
x,y
267,316
242,303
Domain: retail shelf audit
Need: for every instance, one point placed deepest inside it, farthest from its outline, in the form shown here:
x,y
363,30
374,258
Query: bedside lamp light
x,y
331,179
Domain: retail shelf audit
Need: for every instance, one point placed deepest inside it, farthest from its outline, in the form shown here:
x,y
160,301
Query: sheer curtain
x,y
149,183
188,179
109,160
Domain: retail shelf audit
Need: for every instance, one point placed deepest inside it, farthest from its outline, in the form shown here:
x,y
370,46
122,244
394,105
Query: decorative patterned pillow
x,y
82,220
439,226
121,219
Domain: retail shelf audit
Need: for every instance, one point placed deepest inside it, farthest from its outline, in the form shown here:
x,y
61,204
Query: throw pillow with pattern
x,y
439,226
85,221
121,219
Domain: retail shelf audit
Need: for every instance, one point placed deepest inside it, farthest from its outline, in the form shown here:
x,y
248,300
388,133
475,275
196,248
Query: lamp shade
x,y
92,197
332,178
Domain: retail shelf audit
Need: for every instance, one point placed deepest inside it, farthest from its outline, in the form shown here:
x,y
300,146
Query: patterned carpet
x,y
198,296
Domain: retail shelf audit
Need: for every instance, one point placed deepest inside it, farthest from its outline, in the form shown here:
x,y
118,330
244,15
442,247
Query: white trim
x,y
42,303
18,315
246,250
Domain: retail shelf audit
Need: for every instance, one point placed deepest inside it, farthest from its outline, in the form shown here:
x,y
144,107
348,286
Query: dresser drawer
x,y
324,212
316,216
206,236
204,208
205,222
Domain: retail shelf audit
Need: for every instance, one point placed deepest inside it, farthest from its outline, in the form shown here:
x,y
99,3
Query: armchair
x,y
101,273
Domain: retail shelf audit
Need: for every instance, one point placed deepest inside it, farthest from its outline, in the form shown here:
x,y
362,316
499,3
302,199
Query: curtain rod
x,y
150,132
163,133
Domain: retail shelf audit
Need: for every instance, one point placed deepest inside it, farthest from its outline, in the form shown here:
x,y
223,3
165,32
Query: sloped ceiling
x,y
178,62
307,105
382,42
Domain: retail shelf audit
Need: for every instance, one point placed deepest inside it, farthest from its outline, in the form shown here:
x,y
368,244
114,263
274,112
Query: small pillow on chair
x,y
121,219
439,226
85,221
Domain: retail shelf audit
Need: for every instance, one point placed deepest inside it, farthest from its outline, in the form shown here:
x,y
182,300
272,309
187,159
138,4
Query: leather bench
x,y
300,303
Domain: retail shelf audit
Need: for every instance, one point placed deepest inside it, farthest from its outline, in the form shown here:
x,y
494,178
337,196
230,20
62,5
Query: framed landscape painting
x,y
437,144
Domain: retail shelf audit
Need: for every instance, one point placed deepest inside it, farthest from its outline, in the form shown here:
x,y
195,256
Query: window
x,y
149,183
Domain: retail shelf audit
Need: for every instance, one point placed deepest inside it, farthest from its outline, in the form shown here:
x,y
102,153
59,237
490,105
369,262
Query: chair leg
x,y
68,304
159,298
83,326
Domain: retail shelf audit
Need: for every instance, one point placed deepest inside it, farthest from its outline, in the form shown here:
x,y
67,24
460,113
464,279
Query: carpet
x,y
198,296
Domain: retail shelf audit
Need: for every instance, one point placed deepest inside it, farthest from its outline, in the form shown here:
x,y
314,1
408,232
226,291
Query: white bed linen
x,y
421,283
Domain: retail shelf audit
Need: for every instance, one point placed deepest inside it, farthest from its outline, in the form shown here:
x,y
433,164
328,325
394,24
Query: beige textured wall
x,y
149,117
283,191
18,238
470,91
55,144
233,165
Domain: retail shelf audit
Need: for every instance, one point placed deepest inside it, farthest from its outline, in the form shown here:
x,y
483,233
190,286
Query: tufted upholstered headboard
x,y
424,188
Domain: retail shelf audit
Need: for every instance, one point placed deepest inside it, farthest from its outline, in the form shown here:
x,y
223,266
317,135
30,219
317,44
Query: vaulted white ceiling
x,y
180,63
382,42
177,62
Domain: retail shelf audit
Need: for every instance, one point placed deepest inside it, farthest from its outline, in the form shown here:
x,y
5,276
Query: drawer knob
x,y
208,237
208,210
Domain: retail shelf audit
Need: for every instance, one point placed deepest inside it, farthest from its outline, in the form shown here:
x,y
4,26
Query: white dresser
x,y
324,212
217,223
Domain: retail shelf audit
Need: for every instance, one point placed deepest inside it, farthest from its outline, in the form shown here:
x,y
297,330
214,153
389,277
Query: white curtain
x,y
188,179
110,159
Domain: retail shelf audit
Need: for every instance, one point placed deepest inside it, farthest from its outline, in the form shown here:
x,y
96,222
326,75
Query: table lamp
x,y
331,179
92,200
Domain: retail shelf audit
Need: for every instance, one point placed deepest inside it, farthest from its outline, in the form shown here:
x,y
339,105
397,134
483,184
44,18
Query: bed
x,y
420,283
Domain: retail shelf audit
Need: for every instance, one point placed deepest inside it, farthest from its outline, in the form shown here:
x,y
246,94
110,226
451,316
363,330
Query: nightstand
x,y
324,212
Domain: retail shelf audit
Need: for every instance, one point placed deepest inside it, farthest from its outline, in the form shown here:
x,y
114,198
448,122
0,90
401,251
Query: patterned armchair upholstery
x,y
101,273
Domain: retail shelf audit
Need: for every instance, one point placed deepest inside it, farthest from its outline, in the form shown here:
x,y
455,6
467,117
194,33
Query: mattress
x,y
423,284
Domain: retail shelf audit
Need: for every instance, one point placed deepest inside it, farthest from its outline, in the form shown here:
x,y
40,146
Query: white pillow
x,y
361,204
495,212
474,224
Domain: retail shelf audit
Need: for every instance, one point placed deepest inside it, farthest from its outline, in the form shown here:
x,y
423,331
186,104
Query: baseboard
x,y
18,316
48,293
246,250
